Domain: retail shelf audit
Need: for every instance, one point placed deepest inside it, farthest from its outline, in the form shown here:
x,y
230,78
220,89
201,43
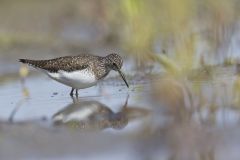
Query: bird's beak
x,y
123,77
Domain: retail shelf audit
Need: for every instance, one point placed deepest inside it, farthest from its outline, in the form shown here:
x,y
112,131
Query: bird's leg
x,y
74,99
71,93
126,103
76,92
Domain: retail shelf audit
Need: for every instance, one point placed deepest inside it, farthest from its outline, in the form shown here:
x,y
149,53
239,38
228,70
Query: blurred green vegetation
x,y
179,35
179,28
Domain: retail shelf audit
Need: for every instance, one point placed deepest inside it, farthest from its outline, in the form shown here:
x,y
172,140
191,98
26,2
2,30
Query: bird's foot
x,y
71,93
76,92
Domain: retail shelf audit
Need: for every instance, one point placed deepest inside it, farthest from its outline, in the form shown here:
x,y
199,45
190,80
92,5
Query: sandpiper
x,y
90,115
80,71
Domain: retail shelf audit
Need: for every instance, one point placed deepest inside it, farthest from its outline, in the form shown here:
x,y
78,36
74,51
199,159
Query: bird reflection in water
x,y
93,115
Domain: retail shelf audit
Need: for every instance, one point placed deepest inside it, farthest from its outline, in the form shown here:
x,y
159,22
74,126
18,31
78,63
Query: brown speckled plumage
x,y
99,65
90,67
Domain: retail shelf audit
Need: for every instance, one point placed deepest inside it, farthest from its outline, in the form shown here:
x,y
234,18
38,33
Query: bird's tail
x,y
23,60
34,63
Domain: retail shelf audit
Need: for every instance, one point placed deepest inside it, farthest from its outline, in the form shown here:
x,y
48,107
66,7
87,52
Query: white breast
x,y
76,79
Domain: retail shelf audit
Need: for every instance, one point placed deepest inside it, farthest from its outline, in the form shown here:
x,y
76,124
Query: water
x,y
39,120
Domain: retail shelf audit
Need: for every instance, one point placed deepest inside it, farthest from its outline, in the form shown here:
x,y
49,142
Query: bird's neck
x,y
108,63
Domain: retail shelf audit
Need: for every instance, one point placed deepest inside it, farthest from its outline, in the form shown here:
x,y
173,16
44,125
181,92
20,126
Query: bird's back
x,y
67,63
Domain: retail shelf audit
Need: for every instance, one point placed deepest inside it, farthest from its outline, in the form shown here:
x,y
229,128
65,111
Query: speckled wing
x,y
68,63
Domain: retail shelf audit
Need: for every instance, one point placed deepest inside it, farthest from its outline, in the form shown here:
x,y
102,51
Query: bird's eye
x,y
115,65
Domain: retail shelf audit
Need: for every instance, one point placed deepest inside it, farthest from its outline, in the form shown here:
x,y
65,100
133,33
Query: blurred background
x,y
189,33
182,61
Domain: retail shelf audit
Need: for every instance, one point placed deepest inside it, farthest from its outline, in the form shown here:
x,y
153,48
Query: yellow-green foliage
x,y
179,27
236,91
138,19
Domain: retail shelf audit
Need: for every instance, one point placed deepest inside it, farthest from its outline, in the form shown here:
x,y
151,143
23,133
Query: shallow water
x,y
39,120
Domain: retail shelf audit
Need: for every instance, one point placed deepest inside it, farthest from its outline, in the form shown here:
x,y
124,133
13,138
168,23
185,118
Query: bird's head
x,y
118,120
115,63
